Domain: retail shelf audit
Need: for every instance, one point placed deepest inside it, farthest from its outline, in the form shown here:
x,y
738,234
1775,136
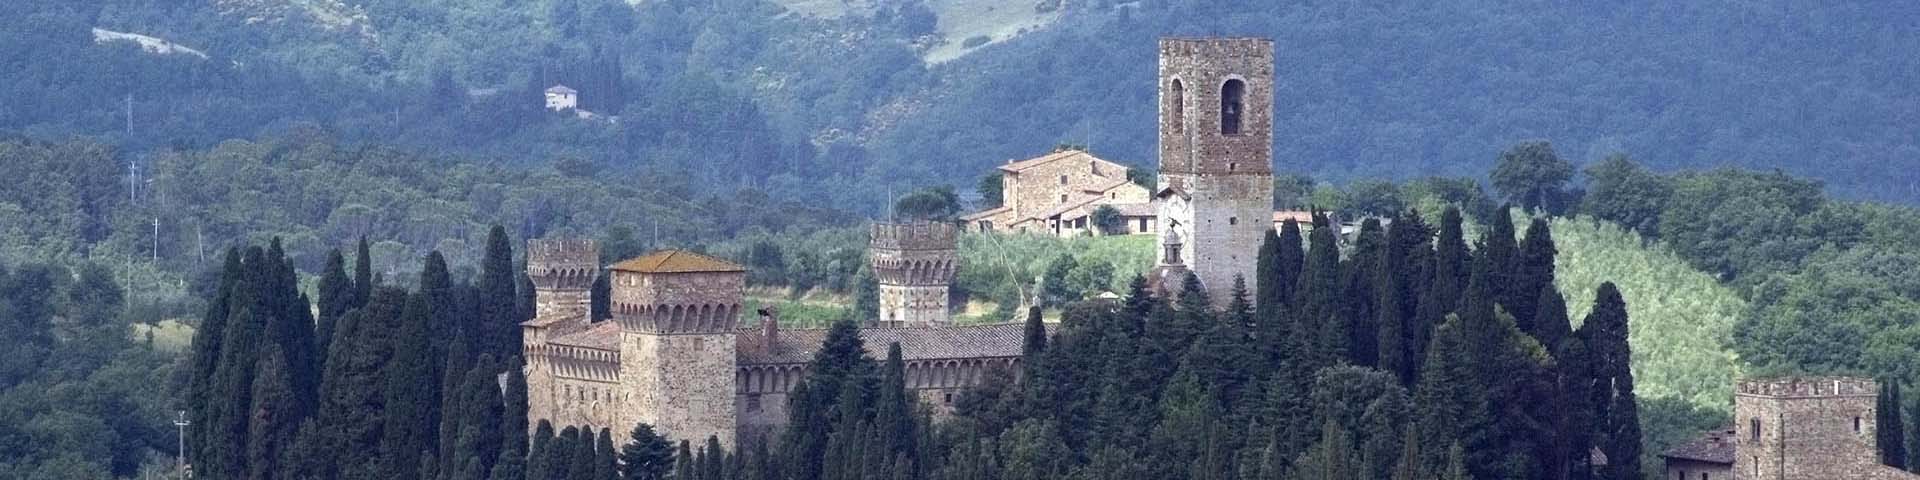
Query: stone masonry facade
x,y
1807,428
1056,192
1215,196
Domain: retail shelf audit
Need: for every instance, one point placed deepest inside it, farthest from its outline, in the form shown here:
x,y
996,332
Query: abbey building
x,y
676,353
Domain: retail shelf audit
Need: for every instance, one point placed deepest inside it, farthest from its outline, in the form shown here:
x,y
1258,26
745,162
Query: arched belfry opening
x,y
1232,103
1178,111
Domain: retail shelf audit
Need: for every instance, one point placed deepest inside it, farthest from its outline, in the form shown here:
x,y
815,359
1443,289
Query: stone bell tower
x,y
914,264
1216,158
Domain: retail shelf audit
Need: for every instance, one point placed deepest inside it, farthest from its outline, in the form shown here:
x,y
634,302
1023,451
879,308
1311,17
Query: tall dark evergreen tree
x,y
1618,422
1500,246
1890,426
1318,299
1533,273
205,359
513,425
351,388
1290,259
336,297
599,297
362,274
481,406
1401,335
407,430
647,455
499,318
893,417
1360,294
1451,259
540,464
272,419
604,462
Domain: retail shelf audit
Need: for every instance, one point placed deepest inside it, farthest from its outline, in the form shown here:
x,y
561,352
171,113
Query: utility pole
x,y
129,114
156,240
180,459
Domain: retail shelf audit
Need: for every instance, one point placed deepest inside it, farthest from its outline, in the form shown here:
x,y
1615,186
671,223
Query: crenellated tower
x,y
562,270
677,312
914,264
1215,197
1806,428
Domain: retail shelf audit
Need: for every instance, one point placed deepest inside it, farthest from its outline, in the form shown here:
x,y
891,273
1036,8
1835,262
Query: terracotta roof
x,y
561,89
1067,207
1110,185
986,213
1134,209
916,343
545,321
601,336
676,261
1016,167
1164,191
1713,447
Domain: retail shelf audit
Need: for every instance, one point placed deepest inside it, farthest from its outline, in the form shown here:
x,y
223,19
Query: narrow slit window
x,y
1178,111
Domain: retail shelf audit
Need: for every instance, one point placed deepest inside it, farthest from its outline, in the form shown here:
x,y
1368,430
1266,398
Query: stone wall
x,y
1691,470
562,271
678,351
1040,187
698,302
914,263
1805,429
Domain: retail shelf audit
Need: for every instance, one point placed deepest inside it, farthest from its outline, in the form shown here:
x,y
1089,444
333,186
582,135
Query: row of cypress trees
x,y
1411,356
370,381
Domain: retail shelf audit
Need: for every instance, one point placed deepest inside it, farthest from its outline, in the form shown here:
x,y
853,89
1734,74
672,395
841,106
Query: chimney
x,y
770,328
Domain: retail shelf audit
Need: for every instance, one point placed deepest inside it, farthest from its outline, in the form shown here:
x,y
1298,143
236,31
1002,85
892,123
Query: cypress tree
x,y
1533,273
604,463
893,412
352,388
600,297
457,362
1361,293
1502,255
308,457
1273,288
540,454
513,425
1317,301
205,360
336,297
647,455
1290,259
408,399
1450,262
290,329
273,422
1618,421
1890,426
1400,334
713,463
683,463
1551,326
436,284
1035,340
362,274
499,330
481,404
1579,414
580,465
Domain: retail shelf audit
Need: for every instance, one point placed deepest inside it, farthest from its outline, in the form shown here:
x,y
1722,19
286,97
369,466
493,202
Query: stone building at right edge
x,y
1215,193
1794,428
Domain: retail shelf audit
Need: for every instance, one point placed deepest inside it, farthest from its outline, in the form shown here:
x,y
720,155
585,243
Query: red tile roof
x,y
676,261
916,343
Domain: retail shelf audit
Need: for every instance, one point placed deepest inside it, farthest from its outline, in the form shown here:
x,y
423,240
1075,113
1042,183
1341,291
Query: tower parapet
x,y
1805,428
914,263
562,270
677,312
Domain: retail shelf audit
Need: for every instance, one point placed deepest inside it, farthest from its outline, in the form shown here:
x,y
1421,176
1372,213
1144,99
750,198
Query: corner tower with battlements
x,y
1805,428
562,271
914,264
1215,196
677,312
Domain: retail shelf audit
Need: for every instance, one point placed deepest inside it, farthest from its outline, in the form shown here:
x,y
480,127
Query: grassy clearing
x,y
1681,317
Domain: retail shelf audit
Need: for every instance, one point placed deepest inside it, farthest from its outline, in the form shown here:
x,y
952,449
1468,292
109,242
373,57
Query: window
x,y
1856,425
1232,166
1754,426
1063,198
1705,476
1233,220
1232,102
1177,113
1093,166
1063,179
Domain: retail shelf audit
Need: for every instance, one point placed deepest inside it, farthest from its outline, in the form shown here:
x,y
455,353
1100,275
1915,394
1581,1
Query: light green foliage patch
x,y
994,266
1681,318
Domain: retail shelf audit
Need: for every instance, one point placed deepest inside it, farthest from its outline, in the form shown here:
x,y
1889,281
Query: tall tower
x,y
1805,428
677,312
562,270
914,264
1215,197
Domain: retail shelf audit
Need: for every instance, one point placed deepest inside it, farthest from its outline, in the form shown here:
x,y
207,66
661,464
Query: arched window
x,y
1232,103
1755,424
1178,112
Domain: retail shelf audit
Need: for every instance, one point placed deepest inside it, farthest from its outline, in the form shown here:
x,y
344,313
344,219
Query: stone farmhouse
x,y
676,355
1796,428
562,98
1057,193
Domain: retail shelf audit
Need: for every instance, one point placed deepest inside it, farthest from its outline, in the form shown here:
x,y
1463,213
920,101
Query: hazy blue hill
x,y
1402,88
751,92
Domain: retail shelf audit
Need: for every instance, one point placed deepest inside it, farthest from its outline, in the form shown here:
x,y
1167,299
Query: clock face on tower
x,y
1176,220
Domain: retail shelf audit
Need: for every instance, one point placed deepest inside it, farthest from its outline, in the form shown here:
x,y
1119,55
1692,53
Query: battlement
x,y
914,236
562,263
1216,47
1809,387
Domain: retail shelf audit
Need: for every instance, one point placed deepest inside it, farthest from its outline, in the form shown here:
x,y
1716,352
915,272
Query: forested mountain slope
x,y
750,92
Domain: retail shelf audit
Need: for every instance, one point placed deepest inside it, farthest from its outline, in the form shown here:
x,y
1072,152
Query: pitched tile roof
x,y
1714,447
601,336
916,343
1017,167
986,213
1134,209
676,261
